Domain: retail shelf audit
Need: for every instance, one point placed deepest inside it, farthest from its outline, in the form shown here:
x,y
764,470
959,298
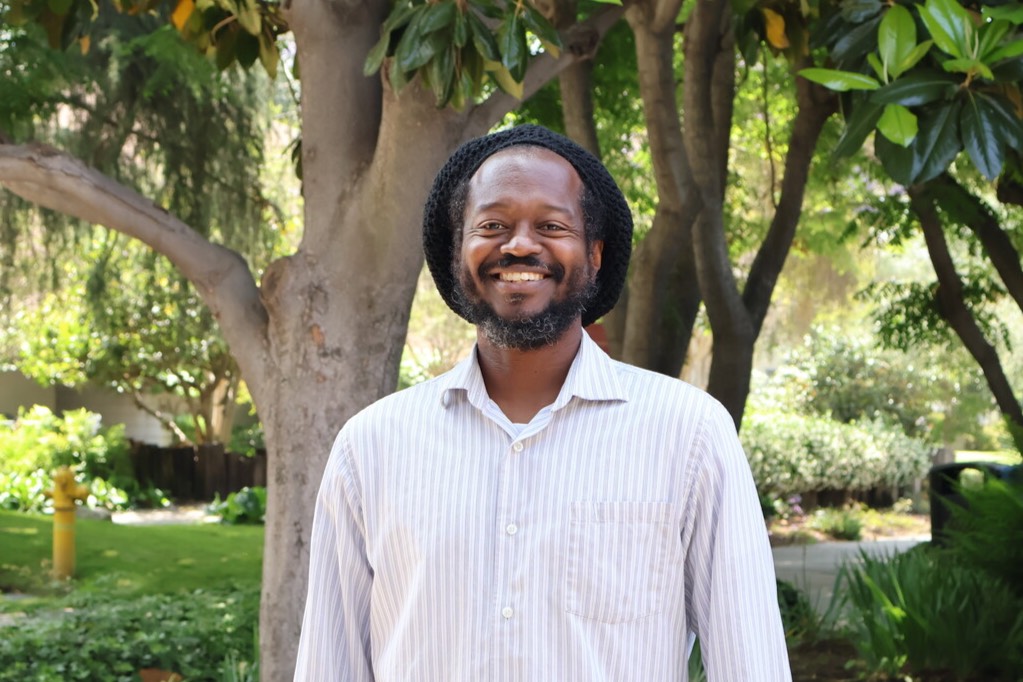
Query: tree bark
x,y
950,304
663,292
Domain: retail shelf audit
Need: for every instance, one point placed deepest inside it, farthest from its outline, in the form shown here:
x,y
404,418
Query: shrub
x,y
794,453
842,524
987,532
248,505
38,442
916,613
202,636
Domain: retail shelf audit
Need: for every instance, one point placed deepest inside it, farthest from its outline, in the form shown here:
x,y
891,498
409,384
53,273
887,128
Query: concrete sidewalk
x,y
813,568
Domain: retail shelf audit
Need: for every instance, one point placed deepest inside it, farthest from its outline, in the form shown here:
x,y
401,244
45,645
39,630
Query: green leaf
x,y
504,79
990,35
920,87
249,19
898,124
914,56
840,81
437,17
376,55
896,38
269,57
1011,12
416,48
542,29
875,63
248,49
1007,124
483,38
398,17
461,34
854,44
514,52
930,154
948,23
1006,51
442,75
856,11
979,126
863,119
227,43
968,65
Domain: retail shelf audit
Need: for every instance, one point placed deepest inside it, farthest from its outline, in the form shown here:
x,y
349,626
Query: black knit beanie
x,y
615,227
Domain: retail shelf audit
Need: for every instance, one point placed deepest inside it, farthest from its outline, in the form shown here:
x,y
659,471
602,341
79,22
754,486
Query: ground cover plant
x,y
923,615
183,598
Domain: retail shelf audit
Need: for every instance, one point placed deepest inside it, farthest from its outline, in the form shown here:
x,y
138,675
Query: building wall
x,y
16,391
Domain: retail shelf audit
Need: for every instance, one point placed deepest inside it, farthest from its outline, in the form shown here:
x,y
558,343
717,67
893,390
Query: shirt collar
x,y
592,376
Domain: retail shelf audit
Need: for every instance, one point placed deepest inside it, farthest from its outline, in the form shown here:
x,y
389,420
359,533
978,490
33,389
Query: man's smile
x,y
520,276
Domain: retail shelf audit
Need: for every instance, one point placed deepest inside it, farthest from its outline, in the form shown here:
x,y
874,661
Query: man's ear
x,y
596,253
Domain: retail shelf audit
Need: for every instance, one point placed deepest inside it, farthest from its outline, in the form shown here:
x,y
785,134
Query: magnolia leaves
x,y
231,31
929,99
455,46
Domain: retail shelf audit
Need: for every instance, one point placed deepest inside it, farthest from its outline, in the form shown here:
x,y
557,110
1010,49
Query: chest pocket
x,y
618,559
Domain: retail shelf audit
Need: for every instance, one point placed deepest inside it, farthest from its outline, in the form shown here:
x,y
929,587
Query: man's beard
x,y
531,332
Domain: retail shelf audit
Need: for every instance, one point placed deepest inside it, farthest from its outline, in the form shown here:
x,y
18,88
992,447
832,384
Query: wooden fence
x,y
197,473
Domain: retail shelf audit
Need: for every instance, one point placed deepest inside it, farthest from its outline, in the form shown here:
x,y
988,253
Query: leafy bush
x,y
987,532
928,393
842,524
248,505
793,453
25,492
202,635
39,441
917,613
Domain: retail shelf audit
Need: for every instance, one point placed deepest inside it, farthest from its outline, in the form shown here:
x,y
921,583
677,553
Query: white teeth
x,y
520,276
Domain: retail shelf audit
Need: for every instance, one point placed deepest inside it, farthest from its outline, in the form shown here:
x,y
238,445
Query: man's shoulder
x,y
402,404
665,395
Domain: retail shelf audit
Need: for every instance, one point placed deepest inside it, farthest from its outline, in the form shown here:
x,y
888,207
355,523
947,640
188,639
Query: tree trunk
x,y
737,319
664,295
952,307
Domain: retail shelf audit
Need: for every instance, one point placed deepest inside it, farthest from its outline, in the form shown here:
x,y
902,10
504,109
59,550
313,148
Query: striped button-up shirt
x,y
590,544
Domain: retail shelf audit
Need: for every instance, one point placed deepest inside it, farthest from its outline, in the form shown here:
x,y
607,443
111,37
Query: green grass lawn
x,y
130,560
997,456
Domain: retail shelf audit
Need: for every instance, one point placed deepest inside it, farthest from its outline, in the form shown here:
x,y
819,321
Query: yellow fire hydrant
x,y
65,492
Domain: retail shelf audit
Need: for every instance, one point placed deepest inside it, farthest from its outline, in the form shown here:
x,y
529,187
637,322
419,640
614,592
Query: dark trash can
x,y
944,480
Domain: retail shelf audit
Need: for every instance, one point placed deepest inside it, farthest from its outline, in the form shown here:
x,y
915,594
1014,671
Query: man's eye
x,y
552,227
491,227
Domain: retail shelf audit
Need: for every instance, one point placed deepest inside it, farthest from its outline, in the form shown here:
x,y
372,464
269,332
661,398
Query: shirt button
x,y
511,529
507,612
517,446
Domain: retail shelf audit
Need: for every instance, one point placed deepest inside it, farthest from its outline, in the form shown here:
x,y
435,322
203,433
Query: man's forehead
x,y
524,156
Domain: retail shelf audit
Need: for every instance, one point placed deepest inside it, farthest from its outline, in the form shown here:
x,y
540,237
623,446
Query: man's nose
x,y
522,242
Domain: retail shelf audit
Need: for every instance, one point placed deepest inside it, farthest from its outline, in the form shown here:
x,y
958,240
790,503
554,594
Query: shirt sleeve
x,y
335,641
733,600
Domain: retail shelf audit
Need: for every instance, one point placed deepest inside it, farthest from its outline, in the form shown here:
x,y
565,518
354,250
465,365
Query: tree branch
x,y
952,307
815,107
55,180
970,211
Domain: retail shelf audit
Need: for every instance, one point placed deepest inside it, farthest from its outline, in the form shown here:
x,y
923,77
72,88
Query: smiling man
x,y
540,512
